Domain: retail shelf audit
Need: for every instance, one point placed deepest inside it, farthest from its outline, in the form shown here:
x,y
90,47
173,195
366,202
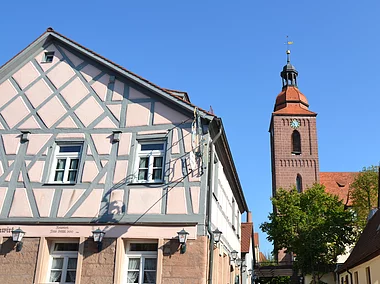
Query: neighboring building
x,y
248,250
362,266
86,144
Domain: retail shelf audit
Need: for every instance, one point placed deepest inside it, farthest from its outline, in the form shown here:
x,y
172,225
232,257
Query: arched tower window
x,y
299,183
296,143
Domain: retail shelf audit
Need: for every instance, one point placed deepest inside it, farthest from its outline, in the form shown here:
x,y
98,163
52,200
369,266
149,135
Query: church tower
x,y
293,136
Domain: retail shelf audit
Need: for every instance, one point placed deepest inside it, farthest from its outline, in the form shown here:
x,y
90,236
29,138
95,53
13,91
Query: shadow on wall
x,y
7,247
170,247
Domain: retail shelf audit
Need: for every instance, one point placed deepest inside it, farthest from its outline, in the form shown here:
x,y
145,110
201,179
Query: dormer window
x,y
49,56
296,143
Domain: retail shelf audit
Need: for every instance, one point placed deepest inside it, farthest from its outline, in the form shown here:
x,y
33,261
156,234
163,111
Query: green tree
x,y
363,193
313,225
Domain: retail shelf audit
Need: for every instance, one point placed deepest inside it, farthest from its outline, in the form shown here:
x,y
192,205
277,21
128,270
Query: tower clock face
x,y
295,123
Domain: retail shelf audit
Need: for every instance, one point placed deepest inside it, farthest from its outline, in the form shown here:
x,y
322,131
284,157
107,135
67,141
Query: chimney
x,y
249,217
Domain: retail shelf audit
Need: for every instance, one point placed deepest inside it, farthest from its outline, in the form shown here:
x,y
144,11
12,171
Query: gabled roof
x,y
246,236
180,98
338,183
368,245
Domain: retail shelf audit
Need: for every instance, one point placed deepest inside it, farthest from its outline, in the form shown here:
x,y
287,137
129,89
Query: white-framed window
x,y
141,262
150,161
63,262
48,57
66,163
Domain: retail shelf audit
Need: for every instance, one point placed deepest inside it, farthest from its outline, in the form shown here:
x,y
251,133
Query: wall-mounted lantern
x,y
234,255
217,234
182,237
243,268
98,237
249,272
17,236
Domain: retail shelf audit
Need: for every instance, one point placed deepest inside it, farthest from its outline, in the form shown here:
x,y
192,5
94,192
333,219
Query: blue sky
x,y
228,54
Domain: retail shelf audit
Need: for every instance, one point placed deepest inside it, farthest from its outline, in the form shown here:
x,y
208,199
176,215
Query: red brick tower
x,y
293,135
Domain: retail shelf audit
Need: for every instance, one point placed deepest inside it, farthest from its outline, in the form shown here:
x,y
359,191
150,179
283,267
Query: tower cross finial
x,y
288,48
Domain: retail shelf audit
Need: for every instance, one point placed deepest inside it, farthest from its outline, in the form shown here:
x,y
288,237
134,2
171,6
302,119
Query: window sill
x,y
60,183
146,183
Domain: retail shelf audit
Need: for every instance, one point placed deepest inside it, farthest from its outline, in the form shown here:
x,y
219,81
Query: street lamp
x,y
234,254
217,234
98,237
17,236
182,237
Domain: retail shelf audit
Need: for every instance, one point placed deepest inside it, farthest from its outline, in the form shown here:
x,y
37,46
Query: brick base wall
x,y
18,267
98,267
187,268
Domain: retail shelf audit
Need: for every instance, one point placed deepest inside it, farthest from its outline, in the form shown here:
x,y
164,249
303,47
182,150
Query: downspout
x,y
209,203
350,275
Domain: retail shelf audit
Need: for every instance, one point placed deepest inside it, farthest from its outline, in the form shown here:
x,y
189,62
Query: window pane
x,y
74,164
70,276
150,263
66,247
133,277
55,276
134,264
69,149
57,263
149,276
157,162
72,176
144,162
143,247
72,264
157,174
143,174
61,164
58,176
150,147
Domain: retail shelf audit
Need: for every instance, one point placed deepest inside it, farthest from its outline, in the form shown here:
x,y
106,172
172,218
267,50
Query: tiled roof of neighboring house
x,y
246,236
338,183
262,257
368,245
256,239
292,101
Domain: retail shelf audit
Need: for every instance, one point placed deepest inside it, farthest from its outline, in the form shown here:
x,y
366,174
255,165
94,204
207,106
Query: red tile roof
x,y
262,257
368,245
256,239
338,183
292,101
246,236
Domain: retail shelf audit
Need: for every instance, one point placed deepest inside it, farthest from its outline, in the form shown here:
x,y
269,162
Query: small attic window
x,y
49,56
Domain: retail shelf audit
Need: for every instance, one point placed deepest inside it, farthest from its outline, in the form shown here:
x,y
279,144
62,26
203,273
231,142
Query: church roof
x,y
338,183
292,101
368,245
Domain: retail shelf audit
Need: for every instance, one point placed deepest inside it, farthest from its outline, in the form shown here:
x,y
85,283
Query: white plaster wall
x,y
373,264
221,211
246,279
